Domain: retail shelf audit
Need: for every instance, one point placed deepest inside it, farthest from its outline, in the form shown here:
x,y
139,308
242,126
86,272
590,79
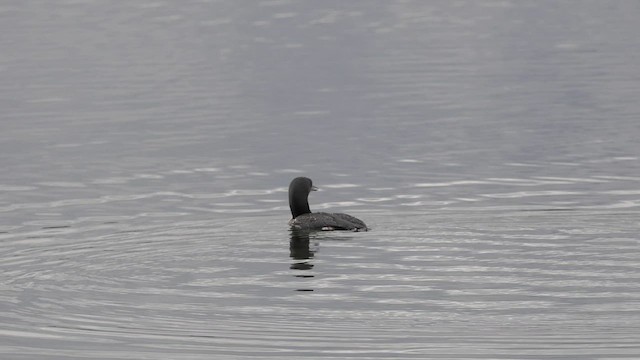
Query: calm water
x,y
492,146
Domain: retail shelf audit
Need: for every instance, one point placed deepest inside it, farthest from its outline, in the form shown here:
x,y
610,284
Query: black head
x,y
299,190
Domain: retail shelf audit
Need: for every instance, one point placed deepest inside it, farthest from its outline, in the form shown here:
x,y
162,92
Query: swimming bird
x,y
304,219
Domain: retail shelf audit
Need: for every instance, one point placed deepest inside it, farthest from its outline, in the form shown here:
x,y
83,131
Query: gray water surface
x,y
492,146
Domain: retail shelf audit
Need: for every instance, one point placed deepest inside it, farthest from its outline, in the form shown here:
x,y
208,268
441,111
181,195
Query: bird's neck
x,y
298,206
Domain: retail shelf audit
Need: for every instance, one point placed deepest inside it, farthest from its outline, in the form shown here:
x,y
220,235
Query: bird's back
x,y
328,221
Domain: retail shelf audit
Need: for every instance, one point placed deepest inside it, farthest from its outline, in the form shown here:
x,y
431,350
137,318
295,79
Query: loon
x,y
304,219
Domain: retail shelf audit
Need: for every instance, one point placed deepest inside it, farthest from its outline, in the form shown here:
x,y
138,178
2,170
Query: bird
x,y
304,219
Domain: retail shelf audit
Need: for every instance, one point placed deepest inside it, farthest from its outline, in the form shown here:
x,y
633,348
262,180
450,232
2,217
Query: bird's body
x,y
328,221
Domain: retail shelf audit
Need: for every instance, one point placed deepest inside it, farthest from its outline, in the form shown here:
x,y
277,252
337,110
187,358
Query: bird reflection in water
x,y
301,253
299,250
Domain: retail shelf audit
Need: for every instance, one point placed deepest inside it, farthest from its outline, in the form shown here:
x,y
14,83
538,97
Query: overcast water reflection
x,y
491,146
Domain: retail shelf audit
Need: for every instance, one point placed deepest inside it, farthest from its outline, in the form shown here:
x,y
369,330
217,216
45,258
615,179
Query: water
x,y
491,146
